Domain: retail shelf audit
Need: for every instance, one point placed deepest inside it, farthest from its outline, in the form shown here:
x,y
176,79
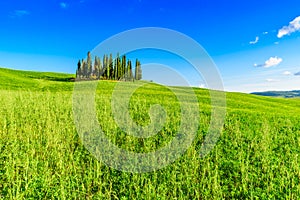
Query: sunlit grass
x,y
42,157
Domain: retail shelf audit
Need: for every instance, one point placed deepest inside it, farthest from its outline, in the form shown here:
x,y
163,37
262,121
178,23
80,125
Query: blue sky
x,y
255,44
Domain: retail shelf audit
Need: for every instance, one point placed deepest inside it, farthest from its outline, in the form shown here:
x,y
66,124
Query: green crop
x,y
42,156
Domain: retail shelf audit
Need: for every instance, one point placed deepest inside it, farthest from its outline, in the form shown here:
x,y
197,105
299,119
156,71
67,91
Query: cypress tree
x,y
84,68
123,67
78,71
89,65
115,70
111,67
99,68
136,70
96,66
119,67
140,71
130,75
104,67
107,67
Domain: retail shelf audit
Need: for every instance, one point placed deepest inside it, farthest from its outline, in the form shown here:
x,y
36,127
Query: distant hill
x,y
19,79
285,94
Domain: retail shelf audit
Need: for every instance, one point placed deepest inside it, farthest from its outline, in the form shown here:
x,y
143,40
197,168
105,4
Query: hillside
x,y
43,157
29,80
42,81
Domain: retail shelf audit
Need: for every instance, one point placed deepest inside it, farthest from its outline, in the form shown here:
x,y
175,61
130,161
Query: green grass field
x,y
42,156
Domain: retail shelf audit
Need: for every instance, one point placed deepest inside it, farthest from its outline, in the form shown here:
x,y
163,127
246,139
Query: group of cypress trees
x,y
108,69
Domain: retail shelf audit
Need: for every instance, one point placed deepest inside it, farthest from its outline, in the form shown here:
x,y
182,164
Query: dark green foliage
x,y
111,67
123,67
138,70
129,71
89,64
104,67
108,69
119,68
84,69
78,72
100,68
115,71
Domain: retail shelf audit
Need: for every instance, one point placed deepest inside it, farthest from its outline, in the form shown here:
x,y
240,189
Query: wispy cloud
x,y
297,74
255,41
271,80
19,13
291,28
271,62
63,5
287,73
265,33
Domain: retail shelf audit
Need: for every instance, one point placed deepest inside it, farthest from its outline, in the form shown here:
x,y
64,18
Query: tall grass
x,y
42,156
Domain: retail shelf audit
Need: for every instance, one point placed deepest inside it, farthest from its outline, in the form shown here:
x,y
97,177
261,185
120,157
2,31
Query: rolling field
x,y
42,155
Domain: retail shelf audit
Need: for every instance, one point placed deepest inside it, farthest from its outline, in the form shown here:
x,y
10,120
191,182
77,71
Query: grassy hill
x,y
42,156
30,80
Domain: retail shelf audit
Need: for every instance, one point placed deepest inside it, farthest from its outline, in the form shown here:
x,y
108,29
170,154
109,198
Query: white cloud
x,y
271,62
287,73
297,74
19,13
271,80
255,41
291,28
265,33
276,43
63,5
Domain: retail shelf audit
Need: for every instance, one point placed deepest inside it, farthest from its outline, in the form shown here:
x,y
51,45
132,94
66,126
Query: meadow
x,y
42,155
